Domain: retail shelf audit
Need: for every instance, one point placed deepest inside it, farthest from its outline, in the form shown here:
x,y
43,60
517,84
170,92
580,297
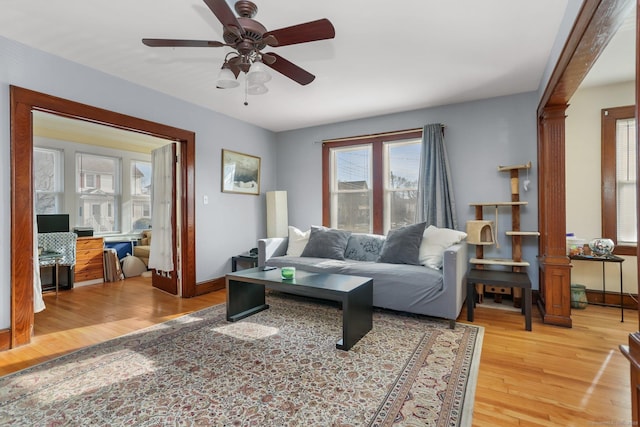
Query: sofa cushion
x,y
297,241
145,239
364,247
326,243
402,245
434,242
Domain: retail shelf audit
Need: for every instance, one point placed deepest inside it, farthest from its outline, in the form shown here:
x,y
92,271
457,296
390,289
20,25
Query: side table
x,y
244,258
604,259
507,279
46,258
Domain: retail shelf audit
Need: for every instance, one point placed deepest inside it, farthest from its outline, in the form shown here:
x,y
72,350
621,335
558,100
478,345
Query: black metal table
x,y
508,279
605,259
45,258
246,296
246,258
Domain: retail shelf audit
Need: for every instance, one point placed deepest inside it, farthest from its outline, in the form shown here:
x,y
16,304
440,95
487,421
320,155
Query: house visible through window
x,y
370,183
140,195
98,192
619,178
48,182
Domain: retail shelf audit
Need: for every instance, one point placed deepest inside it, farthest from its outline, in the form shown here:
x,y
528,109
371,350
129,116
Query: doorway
x,y
23,102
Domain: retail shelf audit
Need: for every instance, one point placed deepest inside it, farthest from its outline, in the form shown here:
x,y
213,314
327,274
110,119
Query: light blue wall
x,y
229,224
479,137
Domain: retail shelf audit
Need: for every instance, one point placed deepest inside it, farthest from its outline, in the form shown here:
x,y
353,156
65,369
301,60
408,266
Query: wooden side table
x,y
244,258
508,279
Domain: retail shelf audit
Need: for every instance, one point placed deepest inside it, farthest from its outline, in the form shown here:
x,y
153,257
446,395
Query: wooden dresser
x,y
89,259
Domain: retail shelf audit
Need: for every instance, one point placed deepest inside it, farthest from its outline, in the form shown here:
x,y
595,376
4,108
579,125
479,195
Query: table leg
x,y
527,308
621,296
471,300
604,287
244,299
55,277
357,315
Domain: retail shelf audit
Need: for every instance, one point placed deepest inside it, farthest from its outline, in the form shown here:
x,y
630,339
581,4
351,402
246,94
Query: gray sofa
x,y
408,288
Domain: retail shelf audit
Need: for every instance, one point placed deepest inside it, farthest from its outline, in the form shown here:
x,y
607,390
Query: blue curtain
x,y
436,204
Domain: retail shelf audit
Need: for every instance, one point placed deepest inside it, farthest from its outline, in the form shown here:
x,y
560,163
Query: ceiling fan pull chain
x,y
246,90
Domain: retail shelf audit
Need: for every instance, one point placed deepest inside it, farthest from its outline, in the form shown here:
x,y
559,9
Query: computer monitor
x,y
53,223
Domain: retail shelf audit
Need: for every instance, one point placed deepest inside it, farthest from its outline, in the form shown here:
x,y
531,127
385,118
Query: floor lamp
x,y
277,217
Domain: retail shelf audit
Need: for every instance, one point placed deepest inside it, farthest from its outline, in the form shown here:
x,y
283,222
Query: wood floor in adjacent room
x,y
552,376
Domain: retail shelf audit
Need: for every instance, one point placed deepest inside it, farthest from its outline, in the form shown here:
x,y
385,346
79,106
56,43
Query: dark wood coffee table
x,y
246,296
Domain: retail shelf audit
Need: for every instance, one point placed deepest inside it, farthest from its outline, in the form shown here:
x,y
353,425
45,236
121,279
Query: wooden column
x,y
555,269
632,353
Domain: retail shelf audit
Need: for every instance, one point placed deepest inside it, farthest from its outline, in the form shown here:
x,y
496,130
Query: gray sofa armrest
x,y
273,246
454,270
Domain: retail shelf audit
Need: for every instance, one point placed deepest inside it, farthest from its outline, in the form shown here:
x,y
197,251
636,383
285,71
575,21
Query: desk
x,y
45,258
245,257
507,279
603,260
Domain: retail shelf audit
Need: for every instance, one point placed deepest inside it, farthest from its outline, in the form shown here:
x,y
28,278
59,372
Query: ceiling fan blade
x,y
225,15
321,29
181,43
290,70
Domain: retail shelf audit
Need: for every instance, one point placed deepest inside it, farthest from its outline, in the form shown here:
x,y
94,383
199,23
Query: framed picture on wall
x,y
240,173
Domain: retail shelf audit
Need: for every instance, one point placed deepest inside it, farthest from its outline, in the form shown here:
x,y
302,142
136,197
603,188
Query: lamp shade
x,y
257,89
258,73
226,79
277,216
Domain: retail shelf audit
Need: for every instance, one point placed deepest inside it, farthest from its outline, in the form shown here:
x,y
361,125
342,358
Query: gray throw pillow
x,y
402,245
326,243
364,247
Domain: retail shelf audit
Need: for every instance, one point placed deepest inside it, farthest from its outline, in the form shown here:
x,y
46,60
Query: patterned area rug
x,y
279,367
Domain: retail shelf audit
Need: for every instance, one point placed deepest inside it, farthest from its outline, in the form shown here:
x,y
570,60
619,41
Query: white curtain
x,y
161,250
38,301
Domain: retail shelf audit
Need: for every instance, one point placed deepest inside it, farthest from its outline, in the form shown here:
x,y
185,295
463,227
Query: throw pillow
x,y
364,247
326,243
297,241
402,245
434,242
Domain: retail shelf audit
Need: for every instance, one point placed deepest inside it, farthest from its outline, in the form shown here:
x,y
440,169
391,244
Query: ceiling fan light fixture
x,y
258,73
257,89
226,79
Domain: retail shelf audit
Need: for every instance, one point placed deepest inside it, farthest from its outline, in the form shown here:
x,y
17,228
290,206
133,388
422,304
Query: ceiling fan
x,y
248,38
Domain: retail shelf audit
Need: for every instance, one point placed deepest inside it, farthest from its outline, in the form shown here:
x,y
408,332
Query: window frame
x,y
609,213
377,142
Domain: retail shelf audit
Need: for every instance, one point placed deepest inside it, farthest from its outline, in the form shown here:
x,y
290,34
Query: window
x,y
98,192
48,180
619,178
370,183
140,195
402,166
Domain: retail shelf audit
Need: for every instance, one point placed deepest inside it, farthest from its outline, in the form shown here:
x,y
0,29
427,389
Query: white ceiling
x,y
386,57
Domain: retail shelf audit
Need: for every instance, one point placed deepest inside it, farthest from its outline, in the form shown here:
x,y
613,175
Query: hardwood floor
x,y
552,376
91,314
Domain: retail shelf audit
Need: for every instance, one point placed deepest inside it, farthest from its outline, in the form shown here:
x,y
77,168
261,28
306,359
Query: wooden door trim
x,y
596,24
23,101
